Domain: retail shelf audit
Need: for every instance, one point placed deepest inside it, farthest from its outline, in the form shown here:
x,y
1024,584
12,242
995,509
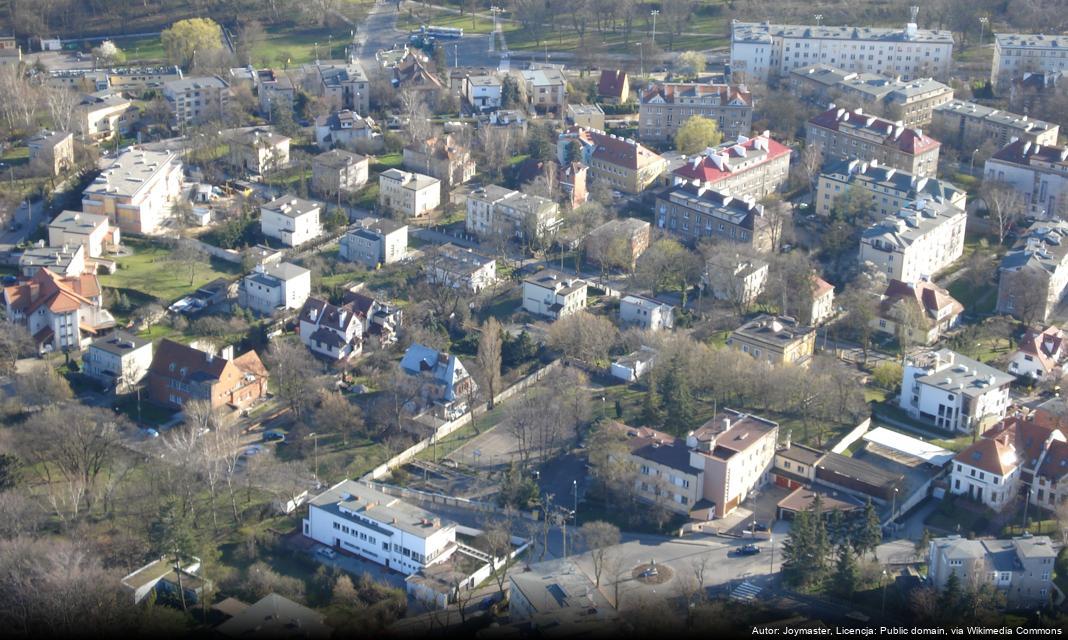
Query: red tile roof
x,y
1026,437
906,139
1046,345
622,152
929,296
187,361
717,165
1023,151
1055,465
989,455
611,83
60,294
670,91
822,287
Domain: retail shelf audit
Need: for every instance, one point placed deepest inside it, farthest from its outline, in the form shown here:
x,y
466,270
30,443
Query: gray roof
x,y
130,171
559,585
1034,546
338,158
274,616
1031,41
581,109
645,303
1043,247
119,343
284,271
291,206
484,80
997,116
378,507
773,329
629,226
877,175
184,85
959,373
56,258
382,226
761,32
410,180
560,283
911,223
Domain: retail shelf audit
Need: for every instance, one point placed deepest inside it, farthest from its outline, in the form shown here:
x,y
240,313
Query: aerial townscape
x,y
533,318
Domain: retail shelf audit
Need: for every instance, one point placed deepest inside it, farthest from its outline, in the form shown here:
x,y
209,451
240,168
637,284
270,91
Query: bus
x,y
442,32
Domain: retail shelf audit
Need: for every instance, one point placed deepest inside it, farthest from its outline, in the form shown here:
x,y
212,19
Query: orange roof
x,y
990,455
1046,345
1026,437
822,287
59,293
249,362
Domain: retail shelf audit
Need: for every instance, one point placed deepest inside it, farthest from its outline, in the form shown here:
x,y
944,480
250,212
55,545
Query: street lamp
x,y
574,492
883,610
641,56
654,13
819,18
315,438
971,165
893,507
317,52
982,28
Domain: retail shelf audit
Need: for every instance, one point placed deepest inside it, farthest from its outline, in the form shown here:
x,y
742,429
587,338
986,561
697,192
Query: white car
x,y
326,552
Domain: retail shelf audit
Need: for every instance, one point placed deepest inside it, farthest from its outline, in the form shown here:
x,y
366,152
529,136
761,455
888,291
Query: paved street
x,y
27,217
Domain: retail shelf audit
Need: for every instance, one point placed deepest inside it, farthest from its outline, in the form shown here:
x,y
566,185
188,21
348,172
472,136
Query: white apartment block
x,y
290,220
891,189
921,240
275,287
495,210
1019,53
649,314
552,294
461,268
968,125
101,116
761,49
92,231
196,100
378,527
411,194
120,361
952,392
136,190
375,242
1038,172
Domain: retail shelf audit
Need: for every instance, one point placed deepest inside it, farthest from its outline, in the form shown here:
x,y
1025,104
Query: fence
x,y
856,434
442,499
454,425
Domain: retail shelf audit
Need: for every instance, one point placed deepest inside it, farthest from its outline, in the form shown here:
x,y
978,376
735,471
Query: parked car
x,y
760,526
151,433
252,451
651,572
326,552
747,550
274,436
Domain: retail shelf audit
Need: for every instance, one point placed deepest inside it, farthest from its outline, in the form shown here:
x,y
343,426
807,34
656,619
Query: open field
x,y
151,272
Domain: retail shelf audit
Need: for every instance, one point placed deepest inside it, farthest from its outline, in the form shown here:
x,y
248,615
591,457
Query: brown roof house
x,y
1040,353
917,313
60,312
613,87
621,163
180,374
441,157
413,72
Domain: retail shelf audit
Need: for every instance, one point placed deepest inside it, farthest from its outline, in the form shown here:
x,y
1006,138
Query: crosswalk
x,y
745,592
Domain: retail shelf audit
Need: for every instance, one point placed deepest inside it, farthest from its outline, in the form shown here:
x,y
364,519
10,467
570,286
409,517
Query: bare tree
x,y
489,358
1005,205
295,374
599,538
61,103
584,336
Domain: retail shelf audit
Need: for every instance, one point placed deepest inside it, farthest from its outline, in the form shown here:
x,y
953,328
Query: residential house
x,y
61,312
822,301
380,319
441,157
337,172
62,261
794,465
343,128
413,72
1020,568
275,287
620,163
136,190
258,151
1038,172
953,392
409,194
276,91
1034,273
557,597
969,125
341,83
694,213
1039,354
842,134
274,616
180,374
445,383
291,220
331,331
613,87
666,106
1017,54
92,231
546,89
461,268
779,340
922,239
197,99
590,116
118,361
911,101
572,182
494,211
890,189
646,313
919,313
53,150
101,116
161,576
740,283
631,234
552,294
631,367
749,167
375,242
762,49
482,91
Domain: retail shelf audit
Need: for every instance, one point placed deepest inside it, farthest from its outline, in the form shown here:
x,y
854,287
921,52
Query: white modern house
x,y
119,360
290,220
411,194
375,242
553,294
921,240
461,268
273,287
378,527
93,231
135,191
649,314
953,392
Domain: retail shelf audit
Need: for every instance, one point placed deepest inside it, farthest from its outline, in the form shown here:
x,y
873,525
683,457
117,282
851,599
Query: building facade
x,y
1034,274
620,163
749,167
197,100
553,294
375,242
53,150
1018,53
847,135
92,231
921,240
118,361
778,340
61,313
1020,568
441,157
953,392
334,332
135,191
694,213
1039,173
665,107
259,151
646,313
911,101
890,189
968,125
338,172
291,220
180,374
494,211
410,194
461,268
274,287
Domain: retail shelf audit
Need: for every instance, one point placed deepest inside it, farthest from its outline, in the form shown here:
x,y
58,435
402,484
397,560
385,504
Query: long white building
x,y
1038,172
921,240
357,519
761,49
1018,53
952,392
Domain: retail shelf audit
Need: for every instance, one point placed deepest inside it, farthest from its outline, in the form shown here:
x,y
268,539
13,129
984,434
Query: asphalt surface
x,y
29,217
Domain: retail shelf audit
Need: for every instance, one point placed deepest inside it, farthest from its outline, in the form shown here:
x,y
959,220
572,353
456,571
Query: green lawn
x,y
147,49
388,161
976,299
149,271
470,23
959,514
297,46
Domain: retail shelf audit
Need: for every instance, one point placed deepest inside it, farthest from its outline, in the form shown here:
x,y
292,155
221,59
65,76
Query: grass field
x,y
150,271
148,49
298,46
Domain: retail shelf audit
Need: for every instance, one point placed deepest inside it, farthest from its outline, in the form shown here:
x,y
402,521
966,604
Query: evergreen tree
x,y
797,549
172,538
871,531
619,409
950,598
678,401
847,573
652,413
821,544
838,528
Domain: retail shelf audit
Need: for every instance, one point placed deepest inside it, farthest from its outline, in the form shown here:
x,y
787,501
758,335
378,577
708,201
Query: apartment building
x,y
621,163
59,312
952,392
1038,172
1018,53
968,125
354,518
911,101
693,213
180,374
761,49
197,99
92,231
740,282
118,361
460,268
275,287
99,117
341,83
291,220
847,135
590,116
1020,568
53,150
646,313
441,157
497,211
923,238
890,189
919,312
136,190
748,167
258,151
338,173
546,89
375,242
554,295
63,260
632,234
410,194
776,339
665,106
1034,274
343,128
482,91
276,91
